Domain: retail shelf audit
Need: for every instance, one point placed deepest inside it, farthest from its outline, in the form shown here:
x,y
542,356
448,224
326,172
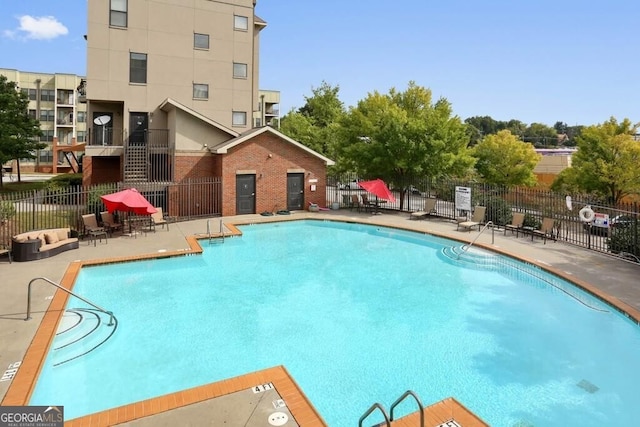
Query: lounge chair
x,y
158,218
476,219
517,221
428,210
546,230
109,222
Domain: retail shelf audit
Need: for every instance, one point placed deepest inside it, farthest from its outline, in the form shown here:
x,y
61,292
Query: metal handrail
x,y
67,291
405,395
465,248
209,230
373,408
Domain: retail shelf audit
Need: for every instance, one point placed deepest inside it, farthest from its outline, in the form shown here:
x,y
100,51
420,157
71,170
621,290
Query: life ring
x,y
587,214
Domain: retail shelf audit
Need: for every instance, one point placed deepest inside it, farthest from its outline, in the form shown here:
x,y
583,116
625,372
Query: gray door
x,y
245,194
295,191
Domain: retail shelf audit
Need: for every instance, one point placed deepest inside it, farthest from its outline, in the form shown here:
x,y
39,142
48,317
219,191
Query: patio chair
x,y
517,221
109,222
366,204
476,219
428,210
91,223
92,230
546,230
5,249
159,219
355,203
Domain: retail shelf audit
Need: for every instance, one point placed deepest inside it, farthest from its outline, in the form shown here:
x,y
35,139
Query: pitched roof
x,y
224,147
170,104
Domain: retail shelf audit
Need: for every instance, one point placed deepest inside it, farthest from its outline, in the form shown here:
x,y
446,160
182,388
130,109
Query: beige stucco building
x,y
53,101
172,75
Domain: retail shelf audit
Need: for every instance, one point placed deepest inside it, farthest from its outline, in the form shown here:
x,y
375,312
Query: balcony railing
x,y
105,136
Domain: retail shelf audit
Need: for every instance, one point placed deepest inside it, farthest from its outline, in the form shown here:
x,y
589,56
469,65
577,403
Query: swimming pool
x,y
358,314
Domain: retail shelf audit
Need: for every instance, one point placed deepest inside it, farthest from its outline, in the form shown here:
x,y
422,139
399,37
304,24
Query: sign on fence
x,y
463,198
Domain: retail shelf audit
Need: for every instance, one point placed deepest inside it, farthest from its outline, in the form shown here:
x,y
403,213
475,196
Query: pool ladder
x,y
221,232
67,291
389,418
465,248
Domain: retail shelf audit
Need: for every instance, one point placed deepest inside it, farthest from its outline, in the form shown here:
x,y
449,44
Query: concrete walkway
x,y
613,276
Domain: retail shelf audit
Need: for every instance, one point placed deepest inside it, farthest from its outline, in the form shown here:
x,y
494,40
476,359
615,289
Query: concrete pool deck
x,y
607,276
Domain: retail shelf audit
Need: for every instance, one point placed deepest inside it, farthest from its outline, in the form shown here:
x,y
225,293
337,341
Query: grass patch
x,y
17,187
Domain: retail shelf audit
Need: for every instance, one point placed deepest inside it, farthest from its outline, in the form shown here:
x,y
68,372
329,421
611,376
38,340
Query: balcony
x,y
81,91
105,136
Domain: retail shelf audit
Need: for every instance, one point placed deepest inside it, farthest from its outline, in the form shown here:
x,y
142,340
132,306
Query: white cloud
x,y
41,28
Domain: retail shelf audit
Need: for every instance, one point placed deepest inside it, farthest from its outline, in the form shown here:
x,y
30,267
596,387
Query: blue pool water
x,y
358,314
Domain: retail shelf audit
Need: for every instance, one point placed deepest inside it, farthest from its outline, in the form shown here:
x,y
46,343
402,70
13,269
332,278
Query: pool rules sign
x,y
463,198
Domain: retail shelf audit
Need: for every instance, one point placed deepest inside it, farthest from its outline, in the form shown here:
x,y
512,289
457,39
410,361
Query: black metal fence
x,y
615,229
57,208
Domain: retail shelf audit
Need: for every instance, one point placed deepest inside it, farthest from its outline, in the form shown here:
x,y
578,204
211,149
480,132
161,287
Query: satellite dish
x,y
102,120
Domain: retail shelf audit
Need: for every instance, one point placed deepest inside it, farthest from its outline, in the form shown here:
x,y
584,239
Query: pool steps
x,y
81,331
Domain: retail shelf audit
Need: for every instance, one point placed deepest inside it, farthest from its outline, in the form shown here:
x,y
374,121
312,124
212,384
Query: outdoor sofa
x,y
39,244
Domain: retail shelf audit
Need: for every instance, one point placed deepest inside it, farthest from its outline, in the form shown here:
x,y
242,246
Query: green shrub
x,y
531,221
65,180
625,239
7,211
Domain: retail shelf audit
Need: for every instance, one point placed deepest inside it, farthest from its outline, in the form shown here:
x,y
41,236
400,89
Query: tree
x,y
18,131
315,124
606,163
541,135
502,159
400,135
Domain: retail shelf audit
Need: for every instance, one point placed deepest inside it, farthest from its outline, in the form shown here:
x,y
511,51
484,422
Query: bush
x,y
7,211
625,239
66,180
531,221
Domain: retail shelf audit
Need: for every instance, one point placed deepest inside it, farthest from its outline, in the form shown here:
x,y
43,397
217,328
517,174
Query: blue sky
x,y
532,60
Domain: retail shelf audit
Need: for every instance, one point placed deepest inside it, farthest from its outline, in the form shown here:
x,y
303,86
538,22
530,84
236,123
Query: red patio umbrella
x,y
378,188
129,200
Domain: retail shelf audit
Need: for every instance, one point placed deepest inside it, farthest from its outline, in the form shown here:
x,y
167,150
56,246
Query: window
x,y
258,123
46,115
137,67
46,156
82,116
201,41
239,71
118,13
239,118
200,91
31,94
47,135
32,114
47,95
80,136
240,23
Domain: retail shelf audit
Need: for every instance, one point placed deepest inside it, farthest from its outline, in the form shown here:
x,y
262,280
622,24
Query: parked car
x,y
617,222
414,190
351,185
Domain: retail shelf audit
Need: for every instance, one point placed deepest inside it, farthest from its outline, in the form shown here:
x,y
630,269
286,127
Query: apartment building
x,y
150,64
53,101
172,93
